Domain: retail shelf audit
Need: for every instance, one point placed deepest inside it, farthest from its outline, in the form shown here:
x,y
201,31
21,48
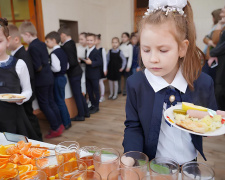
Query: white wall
x,y
202,16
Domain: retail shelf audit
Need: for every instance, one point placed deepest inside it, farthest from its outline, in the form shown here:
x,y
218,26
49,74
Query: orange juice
x,y
88,160
69,156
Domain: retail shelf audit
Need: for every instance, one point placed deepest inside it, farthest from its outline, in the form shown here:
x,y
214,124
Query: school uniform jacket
x,y
144,110
93,71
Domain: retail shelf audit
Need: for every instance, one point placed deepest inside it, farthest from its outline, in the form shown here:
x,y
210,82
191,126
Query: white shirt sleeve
x,y
130,58
55,67
104,60
24,76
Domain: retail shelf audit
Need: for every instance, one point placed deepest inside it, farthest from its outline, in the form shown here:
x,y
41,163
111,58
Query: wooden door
x,y
140,7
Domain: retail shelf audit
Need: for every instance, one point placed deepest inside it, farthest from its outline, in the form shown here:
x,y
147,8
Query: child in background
x,y
103,67
136,49
59,64
74,73
172,66
116,64
19,52
127,50
44,78
93,73
14,78
81,55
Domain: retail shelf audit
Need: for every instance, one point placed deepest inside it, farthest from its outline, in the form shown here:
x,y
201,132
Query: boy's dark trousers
x,y
93,91
48,106
75,83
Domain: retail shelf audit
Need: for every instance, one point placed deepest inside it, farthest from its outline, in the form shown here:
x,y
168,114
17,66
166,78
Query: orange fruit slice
x,y
3,150
24,168
8,173
14,158
20,144
36,153
23,159
28,175
92,167
3,163
11,165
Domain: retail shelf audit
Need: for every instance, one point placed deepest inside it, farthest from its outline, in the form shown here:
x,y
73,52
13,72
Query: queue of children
x,y
86,65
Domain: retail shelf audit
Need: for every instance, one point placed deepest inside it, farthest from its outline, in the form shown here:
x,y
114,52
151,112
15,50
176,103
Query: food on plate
x,y
197,119
11,96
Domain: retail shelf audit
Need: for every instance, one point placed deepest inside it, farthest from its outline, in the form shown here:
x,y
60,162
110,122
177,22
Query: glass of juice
x,y
197,170
86,175
86,154
68,149
50,165
124,174
166,167
36,174
136,161
9,173
154,177
105,161
66,170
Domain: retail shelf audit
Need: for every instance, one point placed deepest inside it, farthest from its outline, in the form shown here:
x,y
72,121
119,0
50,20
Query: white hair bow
x,y
166,6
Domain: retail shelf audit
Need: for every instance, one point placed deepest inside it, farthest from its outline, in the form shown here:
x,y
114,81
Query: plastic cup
x,y
86,175
124,174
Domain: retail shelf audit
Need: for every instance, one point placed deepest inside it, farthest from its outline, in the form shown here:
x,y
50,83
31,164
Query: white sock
x,y
102,87
116,86
111,87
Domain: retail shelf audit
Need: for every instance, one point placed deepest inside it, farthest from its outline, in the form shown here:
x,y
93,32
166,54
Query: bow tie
x,y
172,97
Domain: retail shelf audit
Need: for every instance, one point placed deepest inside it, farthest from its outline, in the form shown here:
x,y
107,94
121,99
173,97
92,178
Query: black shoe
x,y
90,108
94,110
124,94
68,126
119,92
78,118
87,115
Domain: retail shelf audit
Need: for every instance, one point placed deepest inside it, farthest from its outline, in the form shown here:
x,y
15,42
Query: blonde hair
x,y
185,29
13,31
28,27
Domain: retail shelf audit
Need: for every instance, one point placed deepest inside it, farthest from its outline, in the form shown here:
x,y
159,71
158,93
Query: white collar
x,y
158,83
14,52
90,49
55,47
66,41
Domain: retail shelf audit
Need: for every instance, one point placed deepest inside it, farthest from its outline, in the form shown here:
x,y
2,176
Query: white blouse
x,y
127,52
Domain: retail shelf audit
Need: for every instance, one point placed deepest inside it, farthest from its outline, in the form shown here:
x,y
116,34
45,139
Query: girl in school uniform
x,y
14,78
116,64
171,64
103,67
127,50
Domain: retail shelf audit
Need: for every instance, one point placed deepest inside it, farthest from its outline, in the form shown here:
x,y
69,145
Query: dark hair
x,y
3,26
84,33
91,34
98,36
64,29
216,15
53,35
184,29
116,38
127,34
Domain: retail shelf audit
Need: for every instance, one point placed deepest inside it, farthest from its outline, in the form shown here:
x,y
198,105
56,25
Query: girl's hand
x,y
105,73
88,61
210,43
127,69
211,59
18,101
121,69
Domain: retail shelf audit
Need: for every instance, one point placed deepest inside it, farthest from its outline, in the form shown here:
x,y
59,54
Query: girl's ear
x,y
183,48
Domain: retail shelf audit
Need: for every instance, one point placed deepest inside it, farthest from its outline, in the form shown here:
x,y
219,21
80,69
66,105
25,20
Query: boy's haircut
x,y
66,30
185,29
53,35
84,34
28,27
91,34
3,26
116,38
13,30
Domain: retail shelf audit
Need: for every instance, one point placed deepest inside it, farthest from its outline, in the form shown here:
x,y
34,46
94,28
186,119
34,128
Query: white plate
x,y
168,114
11,99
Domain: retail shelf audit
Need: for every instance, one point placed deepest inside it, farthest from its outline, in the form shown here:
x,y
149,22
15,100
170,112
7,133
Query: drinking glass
x,y
124,174
86,154
86,175
36,174
197,170
68,149
105,161
166,167
66,170
136,161
154,177
50,164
